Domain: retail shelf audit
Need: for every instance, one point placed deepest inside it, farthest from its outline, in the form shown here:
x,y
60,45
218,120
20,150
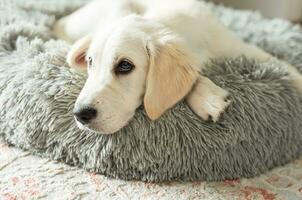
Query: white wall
x,y
289,9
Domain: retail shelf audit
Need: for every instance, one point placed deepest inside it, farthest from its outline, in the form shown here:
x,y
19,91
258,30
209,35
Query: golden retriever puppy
x,y
149,52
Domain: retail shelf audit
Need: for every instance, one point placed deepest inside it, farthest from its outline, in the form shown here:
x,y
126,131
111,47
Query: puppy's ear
x,y
172,73
76,57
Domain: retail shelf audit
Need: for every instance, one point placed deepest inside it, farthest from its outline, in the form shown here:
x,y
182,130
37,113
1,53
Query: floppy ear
x,y
172,73
76,56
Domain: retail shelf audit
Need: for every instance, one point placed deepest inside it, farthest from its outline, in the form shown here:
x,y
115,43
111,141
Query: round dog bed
x,y
260,130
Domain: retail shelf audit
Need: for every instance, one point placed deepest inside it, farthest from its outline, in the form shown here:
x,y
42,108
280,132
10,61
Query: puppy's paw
x,y
208,100
213,107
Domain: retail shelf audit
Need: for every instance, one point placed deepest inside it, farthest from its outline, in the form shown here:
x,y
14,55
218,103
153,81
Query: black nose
x,y
85,115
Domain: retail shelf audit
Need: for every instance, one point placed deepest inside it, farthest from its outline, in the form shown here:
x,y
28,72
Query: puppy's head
x,y
133,62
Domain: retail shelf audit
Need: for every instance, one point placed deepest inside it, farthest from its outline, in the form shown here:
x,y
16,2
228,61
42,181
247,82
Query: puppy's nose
x,y
85,115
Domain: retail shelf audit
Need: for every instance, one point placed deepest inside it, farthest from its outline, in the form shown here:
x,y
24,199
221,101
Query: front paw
x,y
208,100
214,109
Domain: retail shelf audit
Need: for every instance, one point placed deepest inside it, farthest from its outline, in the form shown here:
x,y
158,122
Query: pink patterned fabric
x,y
26,177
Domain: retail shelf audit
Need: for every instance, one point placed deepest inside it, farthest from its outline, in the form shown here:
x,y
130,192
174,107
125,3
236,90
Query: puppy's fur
x,y
169,43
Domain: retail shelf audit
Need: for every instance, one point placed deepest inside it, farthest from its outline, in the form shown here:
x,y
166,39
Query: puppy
x,y
149,52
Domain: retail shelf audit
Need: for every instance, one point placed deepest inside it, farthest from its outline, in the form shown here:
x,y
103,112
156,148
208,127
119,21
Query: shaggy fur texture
x,y
260,130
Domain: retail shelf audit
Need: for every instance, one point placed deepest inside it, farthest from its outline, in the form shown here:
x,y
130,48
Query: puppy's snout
x,y
85,114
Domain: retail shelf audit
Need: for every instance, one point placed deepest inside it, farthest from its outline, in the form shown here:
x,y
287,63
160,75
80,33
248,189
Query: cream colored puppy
x,y
148,52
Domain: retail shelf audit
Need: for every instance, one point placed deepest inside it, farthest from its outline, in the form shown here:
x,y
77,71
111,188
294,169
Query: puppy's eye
x,y
124,67
89,61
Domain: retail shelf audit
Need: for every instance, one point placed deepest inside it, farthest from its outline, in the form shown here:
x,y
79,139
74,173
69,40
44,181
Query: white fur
x,y
130,29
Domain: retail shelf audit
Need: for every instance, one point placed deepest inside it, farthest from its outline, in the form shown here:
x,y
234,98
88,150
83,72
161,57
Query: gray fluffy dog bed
x,y
260,130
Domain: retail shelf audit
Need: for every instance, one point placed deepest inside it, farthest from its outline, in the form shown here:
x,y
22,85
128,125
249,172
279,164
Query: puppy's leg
x,y
235,47
295,76
254,52
96,14
208,100
59,30
80,23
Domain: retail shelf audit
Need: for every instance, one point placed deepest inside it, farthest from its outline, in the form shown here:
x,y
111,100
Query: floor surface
x,y
27,177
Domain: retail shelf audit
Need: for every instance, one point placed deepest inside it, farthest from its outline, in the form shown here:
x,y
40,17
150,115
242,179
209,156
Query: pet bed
x,y
260,130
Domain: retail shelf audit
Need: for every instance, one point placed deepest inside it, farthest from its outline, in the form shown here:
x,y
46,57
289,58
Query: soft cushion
x,y
261,129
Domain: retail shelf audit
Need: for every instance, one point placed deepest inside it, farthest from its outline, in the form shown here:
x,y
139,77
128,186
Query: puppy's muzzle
x,y
85,115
